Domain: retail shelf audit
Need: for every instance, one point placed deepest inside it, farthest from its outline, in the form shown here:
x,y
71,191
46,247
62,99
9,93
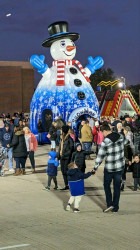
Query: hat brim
x,y
49,41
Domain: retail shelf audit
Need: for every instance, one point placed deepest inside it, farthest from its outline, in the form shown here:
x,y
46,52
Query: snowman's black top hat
x,y
59,30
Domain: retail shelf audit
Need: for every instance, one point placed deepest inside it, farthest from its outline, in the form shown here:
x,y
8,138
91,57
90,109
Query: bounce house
x,y
64,90
117,103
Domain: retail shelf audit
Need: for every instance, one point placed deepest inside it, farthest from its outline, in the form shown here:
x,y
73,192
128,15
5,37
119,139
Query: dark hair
x,y
105,127
136,155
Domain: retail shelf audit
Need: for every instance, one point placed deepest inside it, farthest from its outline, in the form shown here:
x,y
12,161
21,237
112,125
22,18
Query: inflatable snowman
x,y
64,89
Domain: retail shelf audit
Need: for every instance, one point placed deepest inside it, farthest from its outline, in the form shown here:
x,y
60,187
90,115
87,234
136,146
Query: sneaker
x,y
47,188
65,188
76,210
114,211
55,188
11,170
68,207
108,209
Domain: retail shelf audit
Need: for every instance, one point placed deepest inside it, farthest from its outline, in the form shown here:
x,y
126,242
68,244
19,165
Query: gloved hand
x,y
38,63
94,63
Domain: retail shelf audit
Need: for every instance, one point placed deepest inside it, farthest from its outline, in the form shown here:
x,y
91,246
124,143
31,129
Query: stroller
x,y
3,156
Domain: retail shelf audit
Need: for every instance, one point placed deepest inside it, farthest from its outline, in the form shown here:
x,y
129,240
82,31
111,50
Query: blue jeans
x,y
112,200
39,138
87,146
10,156
20,162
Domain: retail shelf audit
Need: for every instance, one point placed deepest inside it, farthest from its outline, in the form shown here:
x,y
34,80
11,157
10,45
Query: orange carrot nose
x,y
70,48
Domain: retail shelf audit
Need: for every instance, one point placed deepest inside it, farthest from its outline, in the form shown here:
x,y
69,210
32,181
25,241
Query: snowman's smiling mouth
x,y
67,54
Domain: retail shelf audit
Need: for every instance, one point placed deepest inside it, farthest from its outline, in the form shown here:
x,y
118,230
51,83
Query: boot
x,y
33,170
23,171
122,187
17,172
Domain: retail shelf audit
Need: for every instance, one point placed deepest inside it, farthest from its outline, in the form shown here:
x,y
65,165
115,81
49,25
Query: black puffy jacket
x,y
135,167
19,145
68,148
79,158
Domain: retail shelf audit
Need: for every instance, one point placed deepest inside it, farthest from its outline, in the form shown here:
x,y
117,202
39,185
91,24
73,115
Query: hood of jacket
x,y
52,154
113,137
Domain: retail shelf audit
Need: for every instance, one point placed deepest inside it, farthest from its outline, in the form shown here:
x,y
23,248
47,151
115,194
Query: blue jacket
x,y
53,163
76,181
76,174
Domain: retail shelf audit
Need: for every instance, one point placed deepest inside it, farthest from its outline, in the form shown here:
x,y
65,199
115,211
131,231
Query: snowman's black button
x,y
73,70
81,95
77,82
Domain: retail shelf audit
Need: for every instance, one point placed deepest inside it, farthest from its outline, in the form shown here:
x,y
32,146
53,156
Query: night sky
x,y
107,28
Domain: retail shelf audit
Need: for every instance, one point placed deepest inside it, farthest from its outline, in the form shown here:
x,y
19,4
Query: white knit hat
x,y
96,123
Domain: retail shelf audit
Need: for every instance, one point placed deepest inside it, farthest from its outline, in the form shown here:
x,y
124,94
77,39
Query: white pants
x,y
53,144
76,200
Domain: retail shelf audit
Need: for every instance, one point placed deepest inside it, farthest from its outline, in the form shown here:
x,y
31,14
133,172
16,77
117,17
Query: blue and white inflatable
x,y
64,89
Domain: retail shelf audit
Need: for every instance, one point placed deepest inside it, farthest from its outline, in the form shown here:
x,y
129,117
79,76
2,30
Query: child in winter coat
x,y
52,169
76,185
79,157
135,168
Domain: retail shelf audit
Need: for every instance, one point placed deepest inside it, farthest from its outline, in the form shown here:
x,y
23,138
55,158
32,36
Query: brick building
x,y
16,86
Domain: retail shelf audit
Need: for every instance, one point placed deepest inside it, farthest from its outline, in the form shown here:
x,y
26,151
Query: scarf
x,y
60,64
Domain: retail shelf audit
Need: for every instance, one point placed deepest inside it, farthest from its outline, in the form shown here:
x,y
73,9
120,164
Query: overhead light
x,y
9,14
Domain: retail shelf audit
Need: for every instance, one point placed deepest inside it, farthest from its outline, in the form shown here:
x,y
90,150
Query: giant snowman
x,y
64,89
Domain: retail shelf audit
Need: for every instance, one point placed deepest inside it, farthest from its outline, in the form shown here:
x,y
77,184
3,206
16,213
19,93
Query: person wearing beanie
x,y
65,151
79,157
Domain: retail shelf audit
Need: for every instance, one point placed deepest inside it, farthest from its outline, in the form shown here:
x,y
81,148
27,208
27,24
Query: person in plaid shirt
x,y
112,149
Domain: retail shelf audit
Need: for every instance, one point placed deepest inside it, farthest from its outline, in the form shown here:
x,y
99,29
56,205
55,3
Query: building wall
x,y
16,86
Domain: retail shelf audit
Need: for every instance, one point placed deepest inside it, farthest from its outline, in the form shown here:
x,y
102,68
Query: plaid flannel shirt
x,y
113,152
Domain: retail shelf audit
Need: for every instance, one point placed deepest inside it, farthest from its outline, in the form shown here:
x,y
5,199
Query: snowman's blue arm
x,y
94,63
38,63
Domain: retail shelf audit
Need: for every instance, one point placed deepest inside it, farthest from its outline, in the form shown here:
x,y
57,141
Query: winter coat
x,y
135,168
67,148
31,142
129,136
98,135
53,163
86,133
6,137
112,149
128,154
76,181
19,145
53,133
79,158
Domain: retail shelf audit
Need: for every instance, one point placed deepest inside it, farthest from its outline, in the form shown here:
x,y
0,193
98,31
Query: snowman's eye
x,y
62,43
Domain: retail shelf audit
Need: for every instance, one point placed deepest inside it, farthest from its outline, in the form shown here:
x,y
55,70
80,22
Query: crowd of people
x,y
116,143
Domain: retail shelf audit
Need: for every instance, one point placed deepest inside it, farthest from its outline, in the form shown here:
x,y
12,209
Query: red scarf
x,y
61,70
